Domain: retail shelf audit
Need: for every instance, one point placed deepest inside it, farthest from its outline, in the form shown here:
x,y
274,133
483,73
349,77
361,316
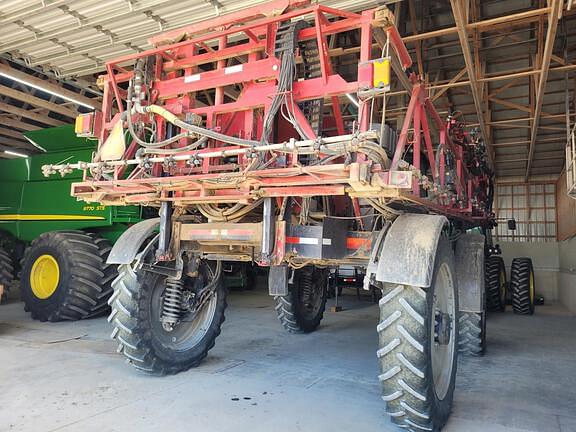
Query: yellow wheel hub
x,y
44,276
532,293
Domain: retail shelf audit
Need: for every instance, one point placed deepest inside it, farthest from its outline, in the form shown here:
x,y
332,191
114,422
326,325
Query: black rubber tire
x,y
405,340
495,290
6,273
110,273
472,338
137,335
522,285
292,313
85,277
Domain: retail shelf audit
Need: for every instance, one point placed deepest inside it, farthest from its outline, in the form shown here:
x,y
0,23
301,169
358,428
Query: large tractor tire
x,y
495,284
65,276
303,308
6,274
418,352
148,345
472,334
522,285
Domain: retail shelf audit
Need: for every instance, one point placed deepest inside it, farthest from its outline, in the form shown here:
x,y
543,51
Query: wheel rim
x,y
192,328
443,331
502,286
44,276
532,294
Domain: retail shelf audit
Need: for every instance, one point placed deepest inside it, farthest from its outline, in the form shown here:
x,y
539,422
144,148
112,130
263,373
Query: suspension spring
x,y
172,303
307,287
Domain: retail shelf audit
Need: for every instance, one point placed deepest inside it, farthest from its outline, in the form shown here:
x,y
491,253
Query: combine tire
x,y
137,304
522,285
303,308
472,334
65,276
495,284
6,274
418,347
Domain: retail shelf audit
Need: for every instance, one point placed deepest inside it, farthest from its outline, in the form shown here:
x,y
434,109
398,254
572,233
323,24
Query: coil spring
x,y
307,288
172,303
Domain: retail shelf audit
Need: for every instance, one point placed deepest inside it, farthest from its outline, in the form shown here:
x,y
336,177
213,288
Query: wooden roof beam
x,y
36,101
48,86
17,124
508,20
30,115
555,14
15,144
11,133
461,22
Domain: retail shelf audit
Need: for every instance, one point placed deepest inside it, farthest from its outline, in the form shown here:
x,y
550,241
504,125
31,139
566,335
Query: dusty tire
x,y
110,272
303,308
472,334
65,276
137,329
522,286
6,274
495,284
416,398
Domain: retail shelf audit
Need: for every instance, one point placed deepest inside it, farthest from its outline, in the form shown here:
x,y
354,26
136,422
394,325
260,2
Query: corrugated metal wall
x,y
533,206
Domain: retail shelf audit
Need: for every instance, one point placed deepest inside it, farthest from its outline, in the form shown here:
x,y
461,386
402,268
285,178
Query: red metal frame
x,y
250,35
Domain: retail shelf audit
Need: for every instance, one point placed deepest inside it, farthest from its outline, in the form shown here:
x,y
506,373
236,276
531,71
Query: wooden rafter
x,y
555,13
17,124
447,87
461,21
11,133
412,11
36,101
508,20
23,113
54,88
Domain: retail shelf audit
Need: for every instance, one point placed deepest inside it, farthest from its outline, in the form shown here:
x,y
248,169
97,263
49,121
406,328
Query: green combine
x,y
59,244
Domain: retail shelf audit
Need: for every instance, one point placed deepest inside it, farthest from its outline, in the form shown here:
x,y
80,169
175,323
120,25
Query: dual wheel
x,y
522,285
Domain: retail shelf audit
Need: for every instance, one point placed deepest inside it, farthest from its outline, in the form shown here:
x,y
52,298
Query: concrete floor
x,y
67,377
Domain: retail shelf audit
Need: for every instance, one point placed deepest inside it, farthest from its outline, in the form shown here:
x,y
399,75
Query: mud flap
x,y
278,280
409,250
470,272
126,247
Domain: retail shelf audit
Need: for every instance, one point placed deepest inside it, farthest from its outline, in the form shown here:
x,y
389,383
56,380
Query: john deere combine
x,y
60,244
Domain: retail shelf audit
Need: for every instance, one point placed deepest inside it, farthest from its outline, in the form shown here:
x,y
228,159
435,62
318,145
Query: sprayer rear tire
x,y
522,285
6,273
472,328
65,276
293,314
495,284
137,328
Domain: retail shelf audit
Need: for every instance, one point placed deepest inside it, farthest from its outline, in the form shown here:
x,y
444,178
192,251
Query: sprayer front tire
x,y
6,273
65,276
136,307
418,373
303,308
